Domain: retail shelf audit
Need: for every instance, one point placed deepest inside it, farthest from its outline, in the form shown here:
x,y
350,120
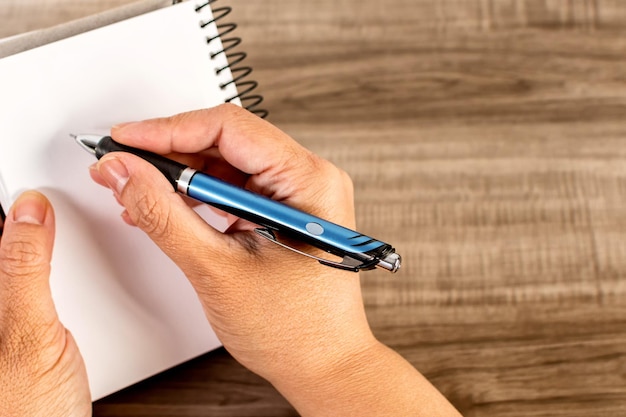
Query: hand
x,y
41,370
258,297
299,324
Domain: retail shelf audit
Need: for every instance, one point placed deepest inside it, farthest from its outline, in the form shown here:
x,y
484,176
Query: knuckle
x,y
233,115
179,125
332,175
232,110
347,181
331,190
21,258
152,216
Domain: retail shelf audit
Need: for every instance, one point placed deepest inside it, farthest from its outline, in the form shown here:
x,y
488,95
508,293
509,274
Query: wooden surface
x,y
486,140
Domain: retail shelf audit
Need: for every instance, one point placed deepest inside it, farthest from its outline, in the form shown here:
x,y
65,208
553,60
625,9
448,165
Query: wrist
x,y
327,372
370,381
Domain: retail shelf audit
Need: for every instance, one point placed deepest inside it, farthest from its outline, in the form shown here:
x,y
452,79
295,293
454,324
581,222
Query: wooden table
x,y
486,140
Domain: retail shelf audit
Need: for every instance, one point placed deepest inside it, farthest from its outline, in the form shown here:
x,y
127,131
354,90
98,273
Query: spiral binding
x,y
239,72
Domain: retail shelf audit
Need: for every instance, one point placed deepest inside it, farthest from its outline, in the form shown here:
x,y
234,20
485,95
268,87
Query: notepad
x,y
130,309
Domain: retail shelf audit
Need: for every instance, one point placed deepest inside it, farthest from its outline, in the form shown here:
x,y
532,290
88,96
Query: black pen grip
x,y
171,169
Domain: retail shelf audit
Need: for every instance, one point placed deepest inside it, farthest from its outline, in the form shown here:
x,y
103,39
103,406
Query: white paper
x,y
130,309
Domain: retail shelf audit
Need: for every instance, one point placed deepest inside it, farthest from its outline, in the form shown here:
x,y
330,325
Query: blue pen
x,y
358,252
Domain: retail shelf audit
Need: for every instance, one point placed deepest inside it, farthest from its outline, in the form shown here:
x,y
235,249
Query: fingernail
x,y
30,207
114,173
93,169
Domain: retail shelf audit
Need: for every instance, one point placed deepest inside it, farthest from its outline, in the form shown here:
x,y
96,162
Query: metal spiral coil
x,y
245,88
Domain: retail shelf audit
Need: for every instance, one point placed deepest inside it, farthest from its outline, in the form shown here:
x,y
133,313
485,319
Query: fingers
x,y
152,205
231,137
25,254
247,142
278,166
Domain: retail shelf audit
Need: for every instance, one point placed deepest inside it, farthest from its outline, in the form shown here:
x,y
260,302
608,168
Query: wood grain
x,y
486,141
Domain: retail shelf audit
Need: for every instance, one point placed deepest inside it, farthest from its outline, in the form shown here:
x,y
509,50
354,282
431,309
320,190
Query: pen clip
x,y
348,263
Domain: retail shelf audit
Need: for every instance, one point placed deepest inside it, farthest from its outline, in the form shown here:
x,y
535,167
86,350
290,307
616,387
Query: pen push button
x,y
315,229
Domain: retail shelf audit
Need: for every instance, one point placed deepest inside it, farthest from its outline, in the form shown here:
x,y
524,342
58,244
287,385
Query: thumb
x,y
25,254
154,206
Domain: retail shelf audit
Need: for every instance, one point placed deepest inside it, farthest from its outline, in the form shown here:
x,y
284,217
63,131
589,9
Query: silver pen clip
x,y
348,263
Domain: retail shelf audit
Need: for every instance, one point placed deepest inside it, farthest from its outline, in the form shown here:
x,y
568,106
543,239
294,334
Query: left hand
x,y
41,370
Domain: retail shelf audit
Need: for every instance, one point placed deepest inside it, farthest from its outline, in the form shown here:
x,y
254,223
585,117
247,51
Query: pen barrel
x,y
170,169
287,220
268,213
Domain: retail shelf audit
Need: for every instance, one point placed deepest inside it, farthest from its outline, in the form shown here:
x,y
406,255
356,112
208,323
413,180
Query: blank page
x,y
130,309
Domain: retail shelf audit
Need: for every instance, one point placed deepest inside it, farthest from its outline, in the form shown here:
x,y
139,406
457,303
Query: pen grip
x,y
170,169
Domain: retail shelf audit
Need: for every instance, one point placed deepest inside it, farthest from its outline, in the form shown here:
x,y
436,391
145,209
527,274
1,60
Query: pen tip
x,y
87,142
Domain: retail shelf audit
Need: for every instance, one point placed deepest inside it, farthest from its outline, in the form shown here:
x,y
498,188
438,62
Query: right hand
x,y
272,309
295,322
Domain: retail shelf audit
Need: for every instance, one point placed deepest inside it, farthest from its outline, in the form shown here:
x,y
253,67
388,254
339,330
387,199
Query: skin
x,y
300,325
41,370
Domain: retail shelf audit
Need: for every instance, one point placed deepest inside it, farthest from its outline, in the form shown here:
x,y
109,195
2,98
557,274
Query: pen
x,y
358,252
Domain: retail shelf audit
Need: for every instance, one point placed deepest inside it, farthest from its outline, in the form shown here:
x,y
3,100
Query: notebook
x,y
131,311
